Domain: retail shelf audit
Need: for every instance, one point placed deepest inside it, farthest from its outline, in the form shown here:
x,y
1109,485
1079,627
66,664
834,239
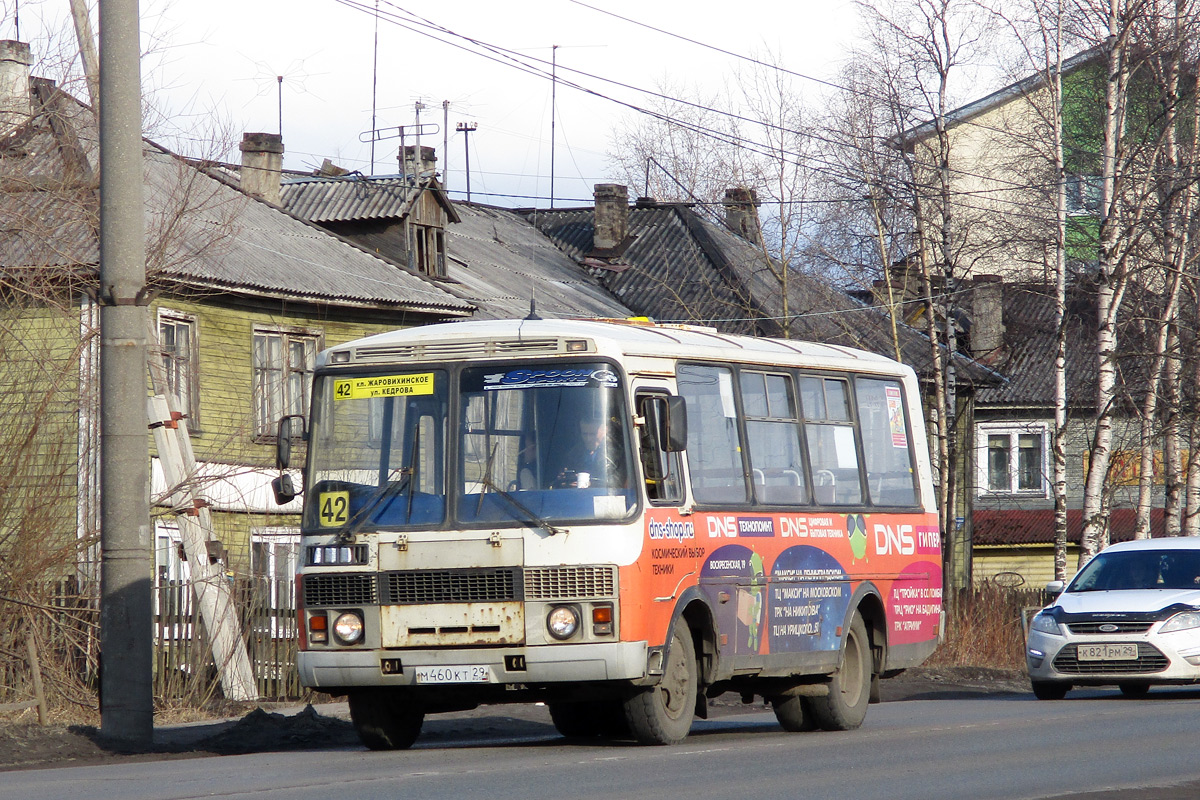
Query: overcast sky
x,y
228,55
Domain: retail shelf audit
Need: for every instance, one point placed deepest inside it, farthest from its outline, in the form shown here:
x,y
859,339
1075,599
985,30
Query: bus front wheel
x,y
845,707
663,714
384,720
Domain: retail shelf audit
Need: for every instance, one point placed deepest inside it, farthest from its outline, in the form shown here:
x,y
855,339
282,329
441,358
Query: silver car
x,y
1131,617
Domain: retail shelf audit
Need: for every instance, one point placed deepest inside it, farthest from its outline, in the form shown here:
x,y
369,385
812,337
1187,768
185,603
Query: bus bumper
x,y
607,661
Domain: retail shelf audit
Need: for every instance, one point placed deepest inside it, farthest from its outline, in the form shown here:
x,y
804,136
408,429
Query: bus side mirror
x,y
284,489
674,426
283,440
283,486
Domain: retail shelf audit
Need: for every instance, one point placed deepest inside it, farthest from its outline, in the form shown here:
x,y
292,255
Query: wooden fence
x,y
60,623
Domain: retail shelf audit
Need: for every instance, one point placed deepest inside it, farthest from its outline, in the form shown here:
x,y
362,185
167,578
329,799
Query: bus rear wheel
x,y
845,707
794,713
385,719
663,714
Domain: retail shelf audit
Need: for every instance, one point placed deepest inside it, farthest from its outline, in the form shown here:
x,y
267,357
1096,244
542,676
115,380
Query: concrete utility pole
x,y
126,622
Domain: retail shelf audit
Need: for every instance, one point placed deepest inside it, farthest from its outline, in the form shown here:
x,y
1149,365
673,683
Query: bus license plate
x,y
473,673
1107,652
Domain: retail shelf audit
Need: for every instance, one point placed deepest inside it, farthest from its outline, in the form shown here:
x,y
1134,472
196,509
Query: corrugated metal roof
x,y
687,269
501,262
324,199
201,232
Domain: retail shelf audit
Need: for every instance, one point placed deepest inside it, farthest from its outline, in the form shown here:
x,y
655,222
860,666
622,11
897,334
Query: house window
x,y
1013,460
274,553
429,250
177,345
283,364
1083,195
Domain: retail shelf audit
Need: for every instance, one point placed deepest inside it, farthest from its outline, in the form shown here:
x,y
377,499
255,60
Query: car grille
x,y
356,589
1093,628
451,586
1150,659
570,583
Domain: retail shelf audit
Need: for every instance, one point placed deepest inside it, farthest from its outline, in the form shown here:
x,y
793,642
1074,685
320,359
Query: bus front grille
x,y
570,583
345,589
451,586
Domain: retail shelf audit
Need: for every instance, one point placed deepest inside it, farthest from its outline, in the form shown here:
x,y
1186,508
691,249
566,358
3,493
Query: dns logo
x,y
899,539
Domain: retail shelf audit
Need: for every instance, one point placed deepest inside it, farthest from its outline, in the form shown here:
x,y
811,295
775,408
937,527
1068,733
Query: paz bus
x,y
617,519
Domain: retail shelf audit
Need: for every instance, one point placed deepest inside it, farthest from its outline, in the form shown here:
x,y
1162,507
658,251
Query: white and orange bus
x,y
618,519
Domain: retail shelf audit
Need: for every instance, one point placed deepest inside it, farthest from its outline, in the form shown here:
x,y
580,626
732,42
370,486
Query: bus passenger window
x,y
890,477
773,436
660,469
714,447
832,452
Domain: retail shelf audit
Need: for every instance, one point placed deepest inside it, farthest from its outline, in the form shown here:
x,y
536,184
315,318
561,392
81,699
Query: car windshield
x,y
1139,569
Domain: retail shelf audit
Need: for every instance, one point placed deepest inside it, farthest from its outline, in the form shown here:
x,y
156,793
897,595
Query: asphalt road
x,y
993,746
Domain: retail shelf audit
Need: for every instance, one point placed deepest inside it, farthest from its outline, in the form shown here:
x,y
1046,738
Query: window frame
x,y
191,361
264,430
1013,430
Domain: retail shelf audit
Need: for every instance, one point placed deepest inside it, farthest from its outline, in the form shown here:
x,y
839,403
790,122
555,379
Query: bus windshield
x,y
377,449
550,443
536,444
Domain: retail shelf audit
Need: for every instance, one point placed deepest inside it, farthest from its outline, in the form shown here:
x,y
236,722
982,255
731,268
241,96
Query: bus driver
x,y
594,460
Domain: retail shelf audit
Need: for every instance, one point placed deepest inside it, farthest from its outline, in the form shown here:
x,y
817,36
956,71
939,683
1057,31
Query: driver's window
x,y
660,469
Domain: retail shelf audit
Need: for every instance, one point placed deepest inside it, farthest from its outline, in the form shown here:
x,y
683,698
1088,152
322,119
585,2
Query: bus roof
x,y
527,338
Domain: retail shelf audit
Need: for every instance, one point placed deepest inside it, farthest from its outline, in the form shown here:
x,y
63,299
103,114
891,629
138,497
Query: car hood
x,y
1130,601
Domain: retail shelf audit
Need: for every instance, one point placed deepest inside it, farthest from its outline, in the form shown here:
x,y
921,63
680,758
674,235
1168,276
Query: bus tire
x,y
663,714
794,713
845,707
589,719
384,720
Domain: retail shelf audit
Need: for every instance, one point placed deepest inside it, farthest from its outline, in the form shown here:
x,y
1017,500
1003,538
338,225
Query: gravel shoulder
x,y
279,727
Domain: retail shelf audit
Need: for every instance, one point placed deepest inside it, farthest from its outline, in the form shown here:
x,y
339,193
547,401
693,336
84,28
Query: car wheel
x,y
1050,690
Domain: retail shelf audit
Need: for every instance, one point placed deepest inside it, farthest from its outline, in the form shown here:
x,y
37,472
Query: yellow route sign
x,y
383,386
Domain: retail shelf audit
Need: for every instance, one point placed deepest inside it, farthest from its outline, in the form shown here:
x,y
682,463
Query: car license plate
x,y
472,673
1107,652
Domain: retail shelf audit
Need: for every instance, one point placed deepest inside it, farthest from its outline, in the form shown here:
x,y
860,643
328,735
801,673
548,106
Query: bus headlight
x,y
562,622
348,627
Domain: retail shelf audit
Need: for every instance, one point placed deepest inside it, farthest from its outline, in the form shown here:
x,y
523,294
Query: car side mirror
x,y
1055,588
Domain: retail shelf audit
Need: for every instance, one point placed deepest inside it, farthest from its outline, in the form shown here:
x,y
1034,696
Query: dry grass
x,y
985,628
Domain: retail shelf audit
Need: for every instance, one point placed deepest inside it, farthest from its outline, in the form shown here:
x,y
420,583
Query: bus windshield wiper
x,y
387,491
514,502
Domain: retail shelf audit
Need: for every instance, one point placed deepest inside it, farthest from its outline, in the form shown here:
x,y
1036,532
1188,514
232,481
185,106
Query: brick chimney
x,y
987,314
741,213
611,216
262,165
425,167
15,107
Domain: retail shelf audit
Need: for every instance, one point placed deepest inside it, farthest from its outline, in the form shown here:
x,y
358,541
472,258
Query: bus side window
x,y
660,467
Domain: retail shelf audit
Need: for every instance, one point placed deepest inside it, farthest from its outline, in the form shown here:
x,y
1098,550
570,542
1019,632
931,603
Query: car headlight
x,y
1183,621
348,627
1044,623
562,622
